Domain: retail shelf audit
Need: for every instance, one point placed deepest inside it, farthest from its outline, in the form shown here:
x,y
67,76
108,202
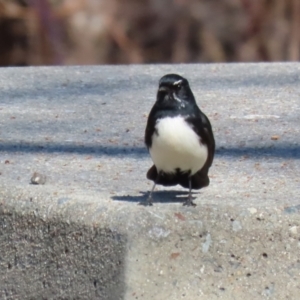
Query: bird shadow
x,y
157,196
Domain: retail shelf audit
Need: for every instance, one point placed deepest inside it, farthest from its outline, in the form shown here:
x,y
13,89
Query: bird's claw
x,y
146,203
189,202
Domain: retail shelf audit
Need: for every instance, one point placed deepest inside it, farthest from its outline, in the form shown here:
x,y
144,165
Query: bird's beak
x,y
163,89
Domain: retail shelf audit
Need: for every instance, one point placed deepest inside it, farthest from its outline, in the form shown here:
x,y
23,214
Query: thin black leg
x,y
189,201
149,201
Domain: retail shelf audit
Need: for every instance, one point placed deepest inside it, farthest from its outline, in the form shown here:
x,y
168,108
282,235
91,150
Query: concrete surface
x,y
82,234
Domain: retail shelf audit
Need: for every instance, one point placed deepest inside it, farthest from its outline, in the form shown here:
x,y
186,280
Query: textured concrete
x,y
82,234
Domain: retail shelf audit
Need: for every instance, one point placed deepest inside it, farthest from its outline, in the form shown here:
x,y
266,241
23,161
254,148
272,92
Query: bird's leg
x,y
149,199
189,201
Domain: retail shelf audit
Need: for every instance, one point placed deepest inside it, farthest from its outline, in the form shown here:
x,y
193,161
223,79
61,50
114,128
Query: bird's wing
x,y
150,128
202,127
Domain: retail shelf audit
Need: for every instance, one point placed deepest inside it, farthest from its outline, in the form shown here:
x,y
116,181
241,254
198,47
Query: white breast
x,y
177,146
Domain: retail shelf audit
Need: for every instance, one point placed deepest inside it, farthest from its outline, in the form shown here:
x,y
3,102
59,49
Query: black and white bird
x,y
179,138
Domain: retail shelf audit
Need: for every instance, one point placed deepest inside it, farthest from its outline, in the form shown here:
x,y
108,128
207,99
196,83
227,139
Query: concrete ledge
x,y
82,235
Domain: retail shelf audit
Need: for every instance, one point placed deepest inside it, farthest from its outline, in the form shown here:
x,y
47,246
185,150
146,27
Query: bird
x,y
179,138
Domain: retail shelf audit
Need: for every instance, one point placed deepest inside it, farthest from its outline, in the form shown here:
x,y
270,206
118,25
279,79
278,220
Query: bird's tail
x,y
198,180
165,179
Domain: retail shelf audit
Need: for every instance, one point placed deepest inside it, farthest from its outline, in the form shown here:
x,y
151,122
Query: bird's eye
x,y
178,84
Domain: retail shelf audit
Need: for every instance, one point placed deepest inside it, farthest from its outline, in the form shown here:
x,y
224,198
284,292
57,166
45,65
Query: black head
x,y
174,92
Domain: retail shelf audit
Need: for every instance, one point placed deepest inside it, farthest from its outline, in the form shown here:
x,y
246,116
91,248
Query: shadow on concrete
x,y
55,259
280,151
88,83
96,149
158,197
248,79
91,81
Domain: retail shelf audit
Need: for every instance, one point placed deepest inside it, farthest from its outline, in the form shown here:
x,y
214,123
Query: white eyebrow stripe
x,y
177,82
176,98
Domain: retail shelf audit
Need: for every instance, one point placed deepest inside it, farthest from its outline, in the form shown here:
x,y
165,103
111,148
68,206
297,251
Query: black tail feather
x,y
198,180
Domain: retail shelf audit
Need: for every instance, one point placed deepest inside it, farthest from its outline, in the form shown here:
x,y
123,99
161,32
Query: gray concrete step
x,y
82,235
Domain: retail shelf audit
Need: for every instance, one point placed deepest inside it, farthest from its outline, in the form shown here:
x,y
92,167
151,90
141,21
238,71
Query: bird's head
x,y
174,91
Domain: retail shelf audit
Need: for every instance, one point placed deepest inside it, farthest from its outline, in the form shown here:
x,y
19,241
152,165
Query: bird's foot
x,y
189,202
148,202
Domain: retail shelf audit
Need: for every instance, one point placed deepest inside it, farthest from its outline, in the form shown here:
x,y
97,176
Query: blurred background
x,y
76,32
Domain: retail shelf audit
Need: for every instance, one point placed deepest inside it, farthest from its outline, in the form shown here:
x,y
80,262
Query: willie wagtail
x,y
179,138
